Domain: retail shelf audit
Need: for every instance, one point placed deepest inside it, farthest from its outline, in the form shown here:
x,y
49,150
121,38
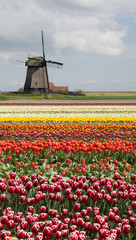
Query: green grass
x,y
4,98
68,97
17,96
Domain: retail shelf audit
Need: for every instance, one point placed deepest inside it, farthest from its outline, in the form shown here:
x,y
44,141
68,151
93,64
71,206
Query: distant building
x,y
57,89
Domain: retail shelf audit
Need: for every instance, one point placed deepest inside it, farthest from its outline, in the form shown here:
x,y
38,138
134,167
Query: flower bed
x,y
97,208
55,165
67,111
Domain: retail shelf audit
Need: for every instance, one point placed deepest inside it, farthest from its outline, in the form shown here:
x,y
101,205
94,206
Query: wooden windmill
x,y
37,79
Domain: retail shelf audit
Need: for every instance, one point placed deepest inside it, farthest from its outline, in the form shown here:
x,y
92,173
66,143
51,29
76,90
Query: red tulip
x,y
58,197
78,192
77,215
29,219
134,205
11,189
73,228
24,225
1,226
116,219
35,182
28,185
42,209
29,235
55,228
58,234
22,199
64,233
81,237
126,228
4,219
80,222
111,216
35,228
67,221
31,209
51,188
10,224
65,212
108,198
43,216
22,191
115,210
74,198
20,233
48,231
77,206
120,194
88,226
51,196
12,175
89,209
38,197
96,211
73,236
118,230
2,197
93,179
129,213
96,227
44,186
132,221
103,233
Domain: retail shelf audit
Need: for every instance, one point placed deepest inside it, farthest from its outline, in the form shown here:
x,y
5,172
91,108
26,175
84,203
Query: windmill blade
x,y
55,64
20,61
43,44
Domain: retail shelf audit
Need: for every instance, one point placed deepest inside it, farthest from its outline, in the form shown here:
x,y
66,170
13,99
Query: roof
x,y
57,88
34,62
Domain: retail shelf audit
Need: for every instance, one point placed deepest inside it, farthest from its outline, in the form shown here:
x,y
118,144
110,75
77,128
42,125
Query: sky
x,y
94,39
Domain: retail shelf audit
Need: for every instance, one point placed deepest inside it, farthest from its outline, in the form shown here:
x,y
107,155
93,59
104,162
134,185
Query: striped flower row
x,y
67,111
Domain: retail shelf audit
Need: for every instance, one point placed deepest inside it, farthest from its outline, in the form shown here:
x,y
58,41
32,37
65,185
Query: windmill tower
x,y
37,79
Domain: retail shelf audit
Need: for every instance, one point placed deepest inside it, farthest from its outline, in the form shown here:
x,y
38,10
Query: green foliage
x,y
20,95
4,98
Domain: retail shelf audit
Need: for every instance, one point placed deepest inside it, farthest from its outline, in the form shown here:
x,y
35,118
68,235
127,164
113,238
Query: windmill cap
x,y
34,61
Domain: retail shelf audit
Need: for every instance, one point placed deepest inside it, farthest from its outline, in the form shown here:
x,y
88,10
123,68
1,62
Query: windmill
x,y
37,79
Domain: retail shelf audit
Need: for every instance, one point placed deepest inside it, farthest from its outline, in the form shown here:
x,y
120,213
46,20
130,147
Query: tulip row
x,y
66,157
75,209
58,131
56,119
86,110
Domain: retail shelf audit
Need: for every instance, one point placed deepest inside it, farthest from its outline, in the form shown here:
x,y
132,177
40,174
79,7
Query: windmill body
x,y
36,78
37,75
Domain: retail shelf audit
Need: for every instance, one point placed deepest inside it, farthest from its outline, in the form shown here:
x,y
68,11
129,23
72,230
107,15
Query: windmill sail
x,y
44,62
43,45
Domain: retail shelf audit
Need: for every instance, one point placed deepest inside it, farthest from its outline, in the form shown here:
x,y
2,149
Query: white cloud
x,y
72,26
103,8
5,56
90,35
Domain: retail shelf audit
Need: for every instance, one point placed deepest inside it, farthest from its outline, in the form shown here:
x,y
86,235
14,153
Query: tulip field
x,y
68,172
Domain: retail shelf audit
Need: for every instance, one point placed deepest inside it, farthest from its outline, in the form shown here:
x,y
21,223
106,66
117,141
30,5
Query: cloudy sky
x,y
95,40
